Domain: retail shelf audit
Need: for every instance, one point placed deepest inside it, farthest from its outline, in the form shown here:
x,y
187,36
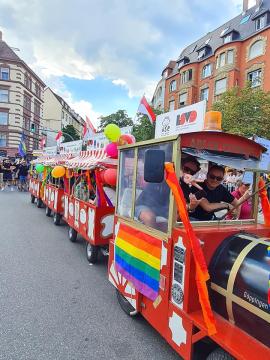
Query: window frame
x,y
254,82
7,117
201,92
218,81
252,47
3,135
170,102
185,102
186,76
4,89
209,66
173,86
261,21
2,72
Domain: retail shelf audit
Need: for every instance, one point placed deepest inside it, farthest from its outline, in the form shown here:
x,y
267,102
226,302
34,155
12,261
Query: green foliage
x,y
70,133
144,129
120,118
245,111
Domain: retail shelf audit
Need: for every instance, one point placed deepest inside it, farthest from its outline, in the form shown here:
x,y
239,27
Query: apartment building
x,y
232,55
57,114
21,99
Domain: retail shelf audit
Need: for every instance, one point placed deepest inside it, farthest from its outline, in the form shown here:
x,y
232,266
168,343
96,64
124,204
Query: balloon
x,y
39,168
112,132
58,171
111,150
126,139
110,176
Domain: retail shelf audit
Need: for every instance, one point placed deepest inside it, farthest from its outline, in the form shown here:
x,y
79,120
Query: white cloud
x,y
128,42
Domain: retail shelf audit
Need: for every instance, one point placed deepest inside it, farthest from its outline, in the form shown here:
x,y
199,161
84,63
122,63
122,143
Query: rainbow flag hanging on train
x,y
138,259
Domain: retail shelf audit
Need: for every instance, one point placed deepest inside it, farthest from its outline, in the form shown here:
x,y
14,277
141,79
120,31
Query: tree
x,y
245,111
120,118
70,133
144,129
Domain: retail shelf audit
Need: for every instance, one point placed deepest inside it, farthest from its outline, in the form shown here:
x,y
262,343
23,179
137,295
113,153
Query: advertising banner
x,y
71,147
185,120
51,150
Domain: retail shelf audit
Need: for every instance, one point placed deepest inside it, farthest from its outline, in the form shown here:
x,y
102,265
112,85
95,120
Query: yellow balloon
x,y
112,132
58,171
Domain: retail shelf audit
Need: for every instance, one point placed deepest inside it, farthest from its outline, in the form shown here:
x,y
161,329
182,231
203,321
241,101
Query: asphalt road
x,y
53,304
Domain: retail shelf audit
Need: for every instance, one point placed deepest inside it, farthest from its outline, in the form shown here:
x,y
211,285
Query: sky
x,y
103,55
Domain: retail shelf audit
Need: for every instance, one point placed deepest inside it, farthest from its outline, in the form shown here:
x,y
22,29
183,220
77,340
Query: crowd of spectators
x,y
13,174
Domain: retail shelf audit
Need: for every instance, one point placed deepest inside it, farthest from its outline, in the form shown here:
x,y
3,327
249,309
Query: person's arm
x,y
210,207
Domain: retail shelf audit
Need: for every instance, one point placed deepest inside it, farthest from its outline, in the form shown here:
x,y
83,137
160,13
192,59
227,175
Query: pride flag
x,y
138,259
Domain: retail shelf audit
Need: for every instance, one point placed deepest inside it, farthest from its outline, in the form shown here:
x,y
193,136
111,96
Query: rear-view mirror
x,y
154,166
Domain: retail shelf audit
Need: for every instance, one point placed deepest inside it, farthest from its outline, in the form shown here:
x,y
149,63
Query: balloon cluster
x,y
113,134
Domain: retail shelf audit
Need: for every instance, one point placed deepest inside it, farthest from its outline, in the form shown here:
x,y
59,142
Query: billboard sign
x,y
71,147
185,120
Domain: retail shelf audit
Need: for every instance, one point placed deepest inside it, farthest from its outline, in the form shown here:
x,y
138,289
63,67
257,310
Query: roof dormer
x,y
229,35
182,61
204,51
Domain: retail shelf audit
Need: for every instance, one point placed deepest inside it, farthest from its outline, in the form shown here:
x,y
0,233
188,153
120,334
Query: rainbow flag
x,y
138,259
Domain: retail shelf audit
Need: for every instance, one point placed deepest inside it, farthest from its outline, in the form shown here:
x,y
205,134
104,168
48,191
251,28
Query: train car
x,y
161,270
36,180
53,194
89,214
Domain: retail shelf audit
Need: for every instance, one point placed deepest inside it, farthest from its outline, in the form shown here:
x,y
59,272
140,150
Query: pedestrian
x,y
22,175
1,176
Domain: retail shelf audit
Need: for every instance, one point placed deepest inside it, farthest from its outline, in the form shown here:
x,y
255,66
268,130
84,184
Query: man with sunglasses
x,y
215,196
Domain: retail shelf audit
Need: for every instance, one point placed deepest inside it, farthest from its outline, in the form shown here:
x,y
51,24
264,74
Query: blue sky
x,y
102,56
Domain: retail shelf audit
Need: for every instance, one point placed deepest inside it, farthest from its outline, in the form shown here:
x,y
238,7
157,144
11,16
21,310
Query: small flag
x,y
22,147
85,130
145,108
90,125
59,135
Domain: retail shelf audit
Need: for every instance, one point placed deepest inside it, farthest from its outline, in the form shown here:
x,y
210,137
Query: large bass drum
x,y
240,274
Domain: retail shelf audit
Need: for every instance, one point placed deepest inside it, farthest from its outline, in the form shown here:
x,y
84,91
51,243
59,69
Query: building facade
x,y
21,100
232,55
57,114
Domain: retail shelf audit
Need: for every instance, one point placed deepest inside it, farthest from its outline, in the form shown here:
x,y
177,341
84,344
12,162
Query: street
x,y
54,305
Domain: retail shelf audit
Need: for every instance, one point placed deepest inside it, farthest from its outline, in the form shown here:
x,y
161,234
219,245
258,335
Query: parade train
x,y
158,271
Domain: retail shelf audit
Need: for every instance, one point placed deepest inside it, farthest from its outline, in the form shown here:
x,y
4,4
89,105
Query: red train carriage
x,y
35,182
53,194
161,271
92,220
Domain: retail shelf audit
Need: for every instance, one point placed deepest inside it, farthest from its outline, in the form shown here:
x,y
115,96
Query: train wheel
x,y
48,211
219,354
125,304
91,253
32,199
39,203
56,219
72,234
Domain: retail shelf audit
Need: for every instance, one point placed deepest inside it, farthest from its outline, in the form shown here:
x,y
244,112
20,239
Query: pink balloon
x,y
127,139
111,150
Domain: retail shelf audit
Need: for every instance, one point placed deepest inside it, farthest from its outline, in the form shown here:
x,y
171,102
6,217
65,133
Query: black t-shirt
x,y
219,194
187,190
156,197
23,170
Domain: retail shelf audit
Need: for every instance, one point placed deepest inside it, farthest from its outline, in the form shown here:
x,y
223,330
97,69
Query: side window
x,y
152,199
126,173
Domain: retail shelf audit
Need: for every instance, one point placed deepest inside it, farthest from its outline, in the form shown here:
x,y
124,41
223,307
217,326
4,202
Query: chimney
x,y
247,4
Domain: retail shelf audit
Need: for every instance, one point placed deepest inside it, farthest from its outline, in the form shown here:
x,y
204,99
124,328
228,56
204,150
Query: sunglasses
x,y
213,177
188,170
246,185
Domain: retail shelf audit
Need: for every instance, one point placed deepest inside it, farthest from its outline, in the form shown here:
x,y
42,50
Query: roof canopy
x,y
90,159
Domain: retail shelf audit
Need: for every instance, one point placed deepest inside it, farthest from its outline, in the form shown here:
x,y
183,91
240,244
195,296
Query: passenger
x,y
81,190
154,200
241,193
216,196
